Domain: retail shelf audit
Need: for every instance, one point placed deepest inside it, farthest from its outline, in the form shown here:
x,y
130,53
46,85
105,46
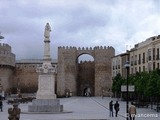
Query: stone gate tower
x,y
68,69
7,65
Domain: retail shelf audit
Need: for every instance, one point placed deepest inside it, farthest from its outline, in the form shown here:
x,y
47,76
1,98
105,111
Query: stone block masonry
x,y
67,75
44,105
7,65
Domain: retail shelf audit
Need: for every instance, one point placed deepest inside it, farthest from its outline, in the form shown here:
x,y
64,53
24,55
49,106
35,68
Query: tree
x,y
117,82
146,84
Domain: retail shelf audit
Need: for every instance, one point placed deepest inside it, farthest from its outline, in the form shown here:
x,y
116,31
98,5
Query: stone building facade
x,y
68,70
118,64
71,76
145,56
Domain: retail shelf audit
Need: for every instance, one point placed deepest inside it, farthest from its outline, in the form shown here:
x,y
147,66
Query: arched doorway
x,y
85,75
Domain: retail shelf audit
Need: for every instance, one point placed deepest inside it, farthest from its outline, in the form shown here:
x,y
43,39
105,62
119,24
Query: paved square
x,y
83,108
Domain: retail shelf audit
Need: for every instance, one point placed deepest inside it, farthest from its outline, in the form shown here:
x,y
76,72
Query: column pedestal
x,y
45,105
46,87
46,98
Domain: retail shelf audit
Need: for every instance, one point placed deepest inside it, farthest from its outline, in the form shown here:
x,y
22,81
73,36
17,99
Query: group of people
x,y
116,107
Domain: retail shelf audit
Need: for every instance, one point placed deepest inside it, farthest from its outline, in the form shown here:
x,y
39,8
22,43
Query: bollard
x,y
14,113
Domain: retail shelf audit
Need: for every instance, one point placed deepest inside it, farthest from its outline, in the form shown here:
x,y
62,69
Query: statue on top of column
x,y
47,31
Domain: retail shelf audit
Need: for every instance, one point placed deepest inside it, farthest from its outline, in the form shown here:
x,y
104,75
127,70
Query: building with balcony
x,y
118,63
145,56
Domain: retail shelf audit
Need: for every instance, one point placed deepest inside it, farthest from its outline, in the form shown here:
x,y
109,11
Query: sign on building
x,y
131,88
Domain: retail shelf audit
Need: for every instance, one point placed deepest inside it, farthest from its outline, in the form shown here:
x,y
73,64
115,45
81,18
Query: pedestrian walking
x,y
132,111
111,108
1,103
116,108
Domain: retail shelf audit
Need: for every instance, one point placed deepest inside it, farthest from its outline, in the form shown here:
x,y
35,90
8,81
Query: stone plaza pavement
x,y
78,108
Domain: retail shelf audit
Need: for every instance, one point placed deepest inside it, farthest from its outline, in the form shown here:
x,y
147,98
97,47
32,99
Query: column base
x,y
45,105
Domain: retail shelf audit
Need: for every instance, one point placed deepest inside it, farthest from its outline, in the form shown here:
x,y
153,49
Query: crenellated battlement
x,y
5,49
6,55
86,62
103,47
85,48
67,47
4,45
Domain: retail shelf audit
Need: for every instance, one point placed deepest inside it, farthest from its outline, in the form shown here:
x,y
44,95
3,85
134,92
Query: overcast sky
x,y
80,23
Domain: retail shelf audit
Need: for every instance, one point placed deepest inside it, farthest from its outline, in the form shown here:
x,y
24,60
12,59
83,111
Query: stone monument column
x,y
46,98
46,80
47,42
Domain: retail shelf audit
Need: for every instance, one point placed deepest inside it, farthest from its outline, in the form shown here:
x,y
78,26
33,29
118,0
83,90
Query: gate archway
x,y
68,70
85,75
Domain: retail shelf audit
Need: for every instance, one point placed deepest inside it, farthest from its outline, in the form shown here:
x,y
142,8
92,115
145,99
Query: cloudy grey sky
x,y
80,23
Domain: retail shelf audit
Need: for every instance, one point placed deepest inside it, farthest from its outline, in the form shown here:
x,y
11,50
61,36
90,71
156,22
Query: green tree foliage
x,y
158,82
140,82
117,82
151,89
147,84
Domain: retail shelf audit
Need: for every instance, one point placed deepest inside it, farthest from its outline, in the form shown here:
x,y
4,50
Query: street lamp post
x,y
127,65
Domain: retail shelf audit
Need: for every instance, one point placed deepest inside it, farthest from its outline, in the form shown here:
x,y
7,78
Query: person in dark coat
x,y
1,103
116,108
111,108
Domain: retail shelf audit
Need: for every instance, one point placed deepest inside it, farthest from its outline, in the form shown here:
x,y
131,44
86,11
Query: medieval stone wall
x,y
70,74
7,65
6,55
103,74
68,66
25,76
67,70
6,76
